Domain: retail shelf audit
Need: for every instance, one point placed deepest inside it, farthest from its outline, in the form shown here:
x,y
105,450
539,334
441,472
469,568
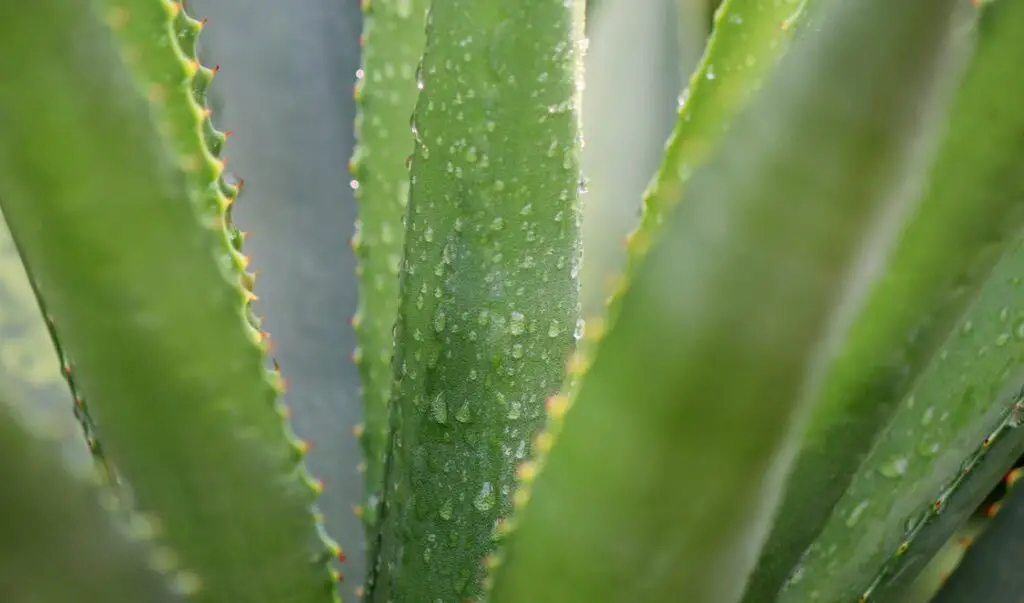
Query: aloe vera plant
x,y
808,380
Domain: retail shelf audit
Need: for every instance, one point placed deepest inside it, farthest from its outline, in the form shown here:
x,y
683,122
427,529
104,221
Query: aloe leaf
x,y
972,209
393,40
28,362
748,38
146,289
630,62
664,477
488,309
59,542
990,571
947,444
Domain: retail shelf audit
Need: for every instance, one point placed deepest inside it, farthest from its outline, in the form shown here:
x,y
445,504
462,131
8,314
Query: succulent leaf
x,y
990,571
972,209
393,40
29,365
60,543
692,408
488,311
146,290
746,42
946,446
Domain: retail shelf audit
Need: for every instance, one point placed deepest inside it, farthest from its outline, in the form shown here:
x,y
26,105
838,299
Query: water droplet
x,y
577,334
967,328
439,408
486,498
471,155
463,414
1016,418
439,320
497,223
517,351
403,8
894,467
517,324
1004,313
554,329
446,510
1002,339
855,514
928,449
928,415
1018,328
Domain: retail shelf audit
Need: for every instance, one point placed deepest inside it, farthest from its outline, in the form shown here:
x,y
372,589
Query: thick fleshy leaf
x,y
946,446
393,41
138,271
58,542
972,209
990,572
488,311
664,477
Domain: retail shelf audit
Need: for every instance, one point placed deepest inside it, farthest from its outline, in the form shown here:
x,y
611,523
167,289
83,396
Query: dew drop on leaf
x,y
439,408
486,498
855,514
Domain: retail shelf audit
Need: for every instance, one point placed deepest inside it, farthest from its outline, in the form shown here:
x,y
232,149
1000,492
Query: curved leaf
x,y
59,543
145,287
663,480
972,209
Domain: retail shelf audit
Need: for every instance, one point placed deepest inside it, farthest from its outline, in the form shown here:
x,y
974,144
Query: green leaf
x,y
664,478
630,62
972,208
488,311
393,41
990,572
29,365
59,543
748,38
946,446
147,293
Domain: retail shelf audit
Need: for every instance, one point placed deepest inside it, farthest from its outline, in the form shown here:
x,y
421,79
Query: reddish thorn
x,y
341,556
229,134
203,22
215,69
241,183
